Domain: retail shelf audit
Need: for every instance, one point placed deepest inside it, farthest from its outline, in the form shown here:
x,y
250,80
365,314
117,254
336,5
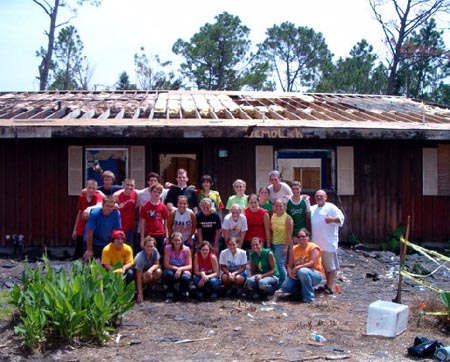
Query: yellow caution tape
x,y
429,286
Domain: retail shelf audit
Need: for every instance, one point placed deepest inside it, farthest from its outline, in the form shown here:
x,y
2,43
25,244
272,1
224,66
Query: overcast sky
x,y
113,32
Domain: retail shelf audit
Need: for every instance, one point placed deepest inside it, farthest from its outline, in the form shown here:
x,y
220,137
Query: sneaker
x,y
229,293
169,297
184,295
199,295
192,286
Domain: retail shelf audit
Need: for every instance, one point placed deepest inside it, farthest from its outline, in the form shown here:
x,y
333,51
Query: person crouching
x,y
117,251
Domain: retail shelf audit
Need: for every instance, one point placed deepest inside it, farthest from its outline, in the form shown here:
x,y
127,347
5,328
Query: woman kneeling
x,y
305,269
264,279
206,271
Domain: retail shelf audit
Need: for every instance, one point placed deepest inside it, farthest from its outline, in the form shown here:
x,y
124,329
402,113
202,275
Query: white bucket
x,y
387,319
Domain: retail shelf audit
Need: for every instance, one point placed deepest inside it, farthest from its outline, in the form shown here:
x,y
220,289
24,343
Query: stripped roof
x,y
216,109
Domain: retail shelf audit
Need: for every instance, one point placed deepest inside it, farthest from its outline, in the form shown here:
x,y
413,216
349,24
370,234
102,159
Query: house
x,y
380,158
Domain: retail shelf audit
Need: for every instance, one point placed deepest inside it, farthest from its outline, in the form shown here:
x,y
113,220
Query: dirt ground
x,y
242,330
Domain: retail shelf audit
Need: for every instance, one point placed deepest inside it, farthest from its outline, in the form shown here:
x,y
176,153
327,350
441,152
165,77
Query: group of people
x,y
187,238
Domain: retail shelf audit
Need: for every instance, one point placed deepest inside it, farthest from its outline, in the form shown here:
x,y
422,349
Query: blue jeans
x,y
281,261
169,280
130,236
266,285
307,279
211,286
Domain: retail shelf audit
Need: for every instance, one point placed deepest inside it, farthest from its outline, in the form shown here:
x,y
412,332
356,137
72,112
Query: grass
x,y
6,308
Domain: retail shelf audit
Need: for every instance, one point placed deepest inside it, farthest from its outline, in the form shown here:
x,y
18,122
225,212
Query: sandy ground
x,y
278,329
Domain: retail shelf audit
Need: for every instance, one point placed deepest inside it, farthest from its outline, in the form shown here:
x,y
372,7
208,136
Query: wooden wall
x,y
388,186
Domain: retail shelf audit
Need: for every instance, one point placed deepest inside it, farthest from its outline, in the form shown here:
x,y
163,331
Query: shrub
x,y
86,302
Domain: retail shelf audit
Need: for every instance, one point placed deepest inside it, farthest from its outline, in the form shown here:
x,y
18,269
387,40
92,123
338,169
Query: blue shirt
x,y
103,225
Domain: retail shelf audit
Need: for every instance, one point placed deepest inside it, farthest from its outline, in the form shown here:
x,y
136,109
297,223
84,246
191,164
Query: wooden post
x,y
403,248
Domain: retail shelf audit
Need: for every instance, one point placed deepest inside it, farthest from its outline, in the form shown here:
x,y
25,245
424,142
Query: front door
x,y
169,163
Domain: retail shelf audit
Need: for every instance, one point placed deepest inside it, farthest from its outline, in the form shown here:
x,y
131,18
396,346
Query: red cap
x,y
117,234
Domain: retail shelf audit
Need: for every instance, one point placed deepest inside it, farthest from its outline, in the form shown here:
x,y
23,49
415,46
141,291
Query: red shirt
x,y
204,265
127,204
82,204
154,215
255,223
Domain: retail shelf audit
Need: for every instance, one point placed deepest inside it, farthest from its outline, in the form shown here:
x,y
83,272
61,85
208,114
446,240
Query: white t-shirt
x,y
323,234
285,192
143,196
233,262
235,227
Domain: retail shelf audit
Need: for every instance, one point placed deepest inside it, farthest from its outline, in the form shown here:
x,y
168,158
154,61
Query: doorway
x,y
169,163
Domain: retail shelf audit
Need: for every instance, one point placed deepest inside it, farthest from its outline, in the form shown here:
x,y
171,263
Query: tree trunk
x,y
44,67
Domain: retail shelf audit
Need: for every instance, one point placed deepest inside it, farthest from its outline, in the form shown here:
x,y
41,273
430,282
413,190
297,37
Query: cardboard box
x,y
387,319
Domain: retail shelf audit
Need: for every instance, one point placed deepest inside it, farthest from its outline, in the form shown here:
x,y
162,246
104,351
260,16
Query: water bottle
x,y
317,337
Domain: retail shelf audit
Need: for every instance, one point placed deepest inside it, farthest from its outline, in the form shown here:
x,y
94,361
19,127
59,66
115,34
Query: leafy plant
x,y
6,309
85,302
393,243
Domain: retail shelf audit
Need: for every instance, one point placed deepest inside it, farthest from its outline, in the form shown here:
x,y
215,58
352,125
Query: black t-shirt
x,y
175,191
209,224
111,191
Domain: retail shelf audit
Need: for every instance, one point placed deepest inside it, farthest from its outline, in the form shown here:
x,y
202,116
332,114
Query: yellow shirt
x,y
110,255
278,226
302,256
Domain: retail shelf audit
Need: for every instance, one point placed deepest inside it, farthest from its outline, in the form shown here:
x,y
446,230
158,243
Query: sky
x,y
113,32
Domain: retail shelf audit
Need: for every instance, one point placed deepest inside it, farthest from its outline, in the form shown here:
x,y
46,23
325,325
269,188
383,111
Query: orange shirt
x,y
302,256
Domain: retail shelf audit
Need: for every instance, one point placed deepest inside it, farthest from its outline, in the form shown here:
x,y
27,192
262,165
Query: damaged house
x,y
380,158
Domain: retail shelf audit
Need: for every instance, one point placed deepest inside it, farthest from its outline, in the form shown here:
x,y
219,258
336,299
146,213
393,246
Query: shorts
x,y
330,261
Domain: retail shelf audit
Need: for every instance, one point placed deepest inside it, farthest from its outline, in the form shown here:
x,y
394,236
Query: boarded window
x,y
436,170
444,169
429,175
345,171
314,168
75,170
263,164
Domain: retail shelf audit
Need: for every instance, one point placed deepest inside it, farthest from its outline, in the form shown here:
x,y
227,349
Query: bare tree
x,y
410,15
47,54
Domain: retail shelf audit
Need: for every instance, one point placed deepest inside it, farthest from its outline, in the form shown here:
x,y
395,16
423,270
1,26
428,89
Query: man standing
x,y
102,222
86,201
181,188
117,251
144,195
326,219
108,188
126,199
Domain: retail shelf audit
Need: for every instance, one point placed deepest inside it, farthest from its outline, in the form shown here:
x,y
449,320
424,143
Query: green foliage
x,y
217,57
124,82
298,55
393,243
69,64
6,309
356,74
87,302
152,73
424,63
445,298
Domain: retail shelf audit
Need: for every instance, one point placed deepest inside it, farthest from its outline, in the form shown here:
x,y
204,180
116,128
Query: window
x,y
89,162
98,160
313,168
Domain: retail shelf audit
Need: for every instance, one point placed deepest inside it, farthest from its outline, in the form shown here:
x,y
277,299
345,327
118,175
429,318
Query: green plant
x,y
393,243
85,302
6,309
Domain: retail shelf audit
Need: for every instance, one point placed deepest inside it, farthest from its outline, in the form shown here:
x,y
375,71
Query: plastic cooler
x,y
387,319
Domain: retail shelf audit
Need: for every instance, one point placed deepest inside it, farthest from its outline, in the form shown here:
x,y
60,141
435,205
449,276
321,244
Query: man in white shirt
x,y
326,219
